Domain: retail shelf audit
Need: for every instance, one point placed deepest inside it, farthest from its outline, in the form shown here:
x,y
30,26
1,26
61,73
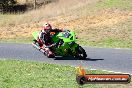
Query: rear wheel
x,y
81,54
51,56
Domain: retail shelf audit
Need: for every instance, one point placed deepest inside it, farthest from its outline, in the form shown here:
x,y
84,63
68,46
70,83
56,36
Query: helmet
x,y
47,27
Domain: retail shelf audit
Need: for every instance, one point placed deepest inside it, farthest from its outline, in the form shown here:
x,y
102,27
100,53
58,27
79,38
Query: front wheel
x,y
81,54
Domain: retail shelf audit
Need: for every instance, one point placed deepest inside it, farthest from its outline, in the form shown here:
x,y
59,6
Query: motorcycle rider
x,y
44,37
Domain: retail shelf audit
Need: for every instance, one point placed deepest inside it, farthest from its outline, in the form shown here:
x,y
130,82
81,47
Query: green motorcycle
x,y
65,44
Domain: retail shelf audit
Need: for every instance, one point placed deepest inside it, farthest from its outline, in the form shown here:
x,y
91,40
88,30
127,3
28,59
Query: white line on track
x,y
112,71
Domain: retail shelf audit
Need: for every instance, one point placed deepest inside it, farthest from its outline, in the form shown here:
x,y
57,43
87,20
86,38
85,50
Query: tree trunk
x,y
34,4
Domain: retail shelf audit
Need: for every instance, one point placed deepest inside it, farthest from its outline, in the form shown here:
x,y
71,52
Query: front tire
x,y
81,54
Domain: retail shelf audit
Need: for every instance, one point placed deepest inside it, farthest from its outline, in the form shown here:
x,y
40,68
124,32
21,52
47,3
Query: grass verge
x,y
122,4
24,74
108,43
17,40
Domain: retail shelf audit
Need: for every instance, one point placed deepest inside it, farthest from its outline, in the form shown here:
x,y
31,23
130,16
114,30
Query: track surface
x,y
119,60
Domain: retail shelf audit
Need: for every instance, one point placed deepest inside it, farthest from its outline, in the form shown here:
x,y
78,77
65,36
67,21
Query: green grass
x,y
25,74
93,8
109,42
115,41
17,40
122,4
22,74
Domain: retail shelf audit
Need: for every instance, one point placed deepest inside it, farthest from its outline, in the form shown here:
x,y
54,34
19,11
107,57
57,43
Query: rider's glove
x,y
53,45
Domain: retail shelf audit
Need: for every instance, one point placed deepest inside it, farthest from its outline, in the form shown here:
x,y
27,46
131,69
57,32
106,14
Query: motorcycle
x,y
64,44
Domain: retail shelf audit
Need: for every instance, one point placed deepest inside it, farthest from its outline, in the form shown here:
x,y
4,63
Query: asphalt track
x,y
119,60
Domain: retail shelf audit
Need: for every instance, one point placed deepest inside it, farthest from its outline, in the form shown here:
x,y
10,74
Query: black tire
x,y
81,80
51,56
81,54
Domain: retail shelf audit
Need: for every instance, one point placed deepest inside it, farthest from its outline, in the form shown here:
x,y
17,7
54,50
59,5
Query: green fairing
x,y
70,39
62,50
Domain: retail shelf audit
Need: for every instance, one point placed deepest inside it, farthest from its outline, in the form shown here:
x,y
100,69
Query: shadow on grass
x,y
72,58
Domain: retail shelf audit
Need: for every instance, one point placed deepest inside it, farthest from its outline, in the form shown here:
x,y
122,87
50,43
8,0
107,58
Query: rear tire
x,y
51,56
81,54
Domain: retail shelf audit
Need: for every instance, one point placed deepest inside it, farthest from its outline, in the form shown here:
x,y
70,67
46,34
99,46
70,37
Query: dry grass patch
x,y
21,26
98,26
92,27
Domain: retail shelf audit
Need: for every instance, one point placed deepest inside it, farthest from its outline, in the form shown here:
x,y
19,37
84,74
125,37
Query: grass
x,y
17,40
122,4
117,36
109,42
101,23
25,74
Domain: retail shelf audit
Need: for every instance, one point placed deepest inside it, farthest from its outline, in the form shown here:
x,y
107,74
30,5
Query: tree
x,y
6,3
35,4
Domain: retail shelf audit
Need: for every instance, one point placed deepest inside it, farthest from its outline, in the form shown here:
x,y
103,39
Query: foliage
x,y
6,3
